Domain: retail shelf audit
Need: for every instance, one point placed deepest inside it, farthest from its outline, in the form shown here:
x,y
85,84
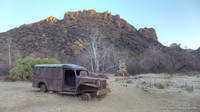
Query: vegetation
x,y
159,86
171,59
146,85
188,87
24,67
99,98
122,67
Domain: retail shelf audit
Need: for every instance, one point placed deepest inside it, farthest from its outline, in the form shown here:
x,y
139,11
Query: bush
x,y
23,69
189,88
159,86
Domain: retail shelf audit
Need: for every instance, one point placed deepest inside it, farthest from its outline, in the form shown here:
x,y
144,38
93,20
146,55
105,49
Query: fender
x,y
87,87
44,82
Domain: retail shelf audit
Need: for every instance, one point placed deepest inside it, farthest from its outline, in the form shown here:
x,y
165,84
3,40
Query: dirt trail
x,y
21,97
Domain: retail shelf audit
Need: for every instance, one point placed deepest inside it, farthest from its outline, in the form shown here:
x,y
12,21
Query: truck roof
x,y
71,66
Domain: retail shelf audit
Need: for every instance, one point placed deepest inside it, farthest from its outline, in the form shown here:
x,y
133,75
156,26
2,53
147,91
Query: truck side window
x,y
81,73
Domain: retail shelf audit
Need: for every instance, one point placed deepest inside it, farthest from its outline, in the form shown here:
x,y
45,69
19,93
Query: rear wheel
x,y
86,97
43,88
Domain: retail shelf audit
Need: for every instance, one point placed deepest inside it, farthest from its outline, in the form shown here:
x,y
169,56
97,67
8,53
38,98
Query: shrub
x,y
99,98
23,69
189,88
144,83
129,81
159,86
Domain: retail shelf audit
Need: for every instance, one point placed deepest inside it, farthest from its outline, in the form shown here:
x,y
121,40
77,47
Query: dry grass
x,y
169,82
21,97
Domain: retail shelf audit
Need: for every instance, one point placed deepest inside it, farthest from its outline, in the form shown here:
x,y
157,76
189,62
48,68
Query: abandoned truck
x,y
68,79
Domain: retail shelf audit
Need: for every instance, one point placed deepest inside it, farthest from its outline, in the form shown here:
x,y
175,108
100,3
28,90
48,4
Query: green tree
x,y
24,67
122,67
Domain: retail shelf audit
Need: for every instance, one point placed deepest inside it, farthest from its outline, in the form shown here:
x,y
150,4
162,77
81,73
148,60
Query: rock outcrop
x,y
148,33
51,19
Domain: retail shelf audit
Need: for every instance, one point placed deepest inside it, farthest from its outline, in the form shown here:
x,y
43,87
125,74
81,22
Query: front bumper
x,y
103,92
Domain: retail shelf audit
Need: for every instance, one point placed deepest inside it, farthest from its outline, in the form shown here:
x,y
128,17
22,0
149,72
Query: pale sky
x,y
176,21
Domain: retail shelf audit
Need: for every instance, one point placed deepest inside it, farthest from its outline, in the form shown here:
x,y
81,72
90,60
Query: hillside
x,y
69,38
98,41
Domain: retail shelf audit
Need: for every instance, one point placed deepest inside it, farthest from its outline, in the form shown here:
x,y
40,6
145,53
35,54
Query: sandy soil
x,y
21,97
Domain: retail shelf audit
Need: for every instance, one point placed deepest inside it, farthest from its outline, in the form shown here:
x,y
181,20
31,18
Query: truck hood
x,y
90,79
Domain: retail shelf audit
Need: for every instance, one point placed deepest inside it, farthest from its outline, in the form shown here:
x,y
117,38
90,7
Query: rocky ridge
x,y
56,38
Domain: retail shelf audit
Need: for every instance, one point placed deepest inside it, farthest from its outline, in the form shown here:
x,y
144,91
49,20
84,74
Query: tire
x,y
43,88
86,97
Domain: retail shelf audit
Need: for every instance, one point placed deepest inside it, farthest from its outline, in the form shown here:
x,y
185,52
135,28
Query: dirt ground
x,y
21,97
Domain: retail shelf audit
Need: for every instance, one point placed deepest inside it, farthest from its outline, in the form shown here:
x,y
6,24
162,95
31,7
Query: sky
x,y
175,21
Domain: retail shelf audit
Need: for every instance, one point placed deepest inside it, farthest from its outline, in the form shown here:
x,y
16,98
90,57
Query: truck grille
x,y
103,84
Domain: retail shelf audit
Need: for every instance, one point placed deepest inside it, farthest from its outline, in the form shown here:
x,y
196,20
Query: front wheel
x,y
86,96
43,88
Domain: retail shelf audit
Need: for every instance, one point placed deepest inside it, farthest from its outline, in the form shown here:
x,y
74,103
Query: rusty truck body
x,y
68,79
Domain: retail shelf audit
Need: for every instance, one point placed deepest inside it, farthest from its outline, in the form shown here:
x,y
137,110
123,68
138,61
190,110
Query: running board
x,y
64,92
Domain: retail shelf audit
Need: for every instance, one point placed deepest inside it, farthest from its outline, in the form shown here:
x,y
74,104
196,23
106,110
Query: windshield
x,y
82,73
